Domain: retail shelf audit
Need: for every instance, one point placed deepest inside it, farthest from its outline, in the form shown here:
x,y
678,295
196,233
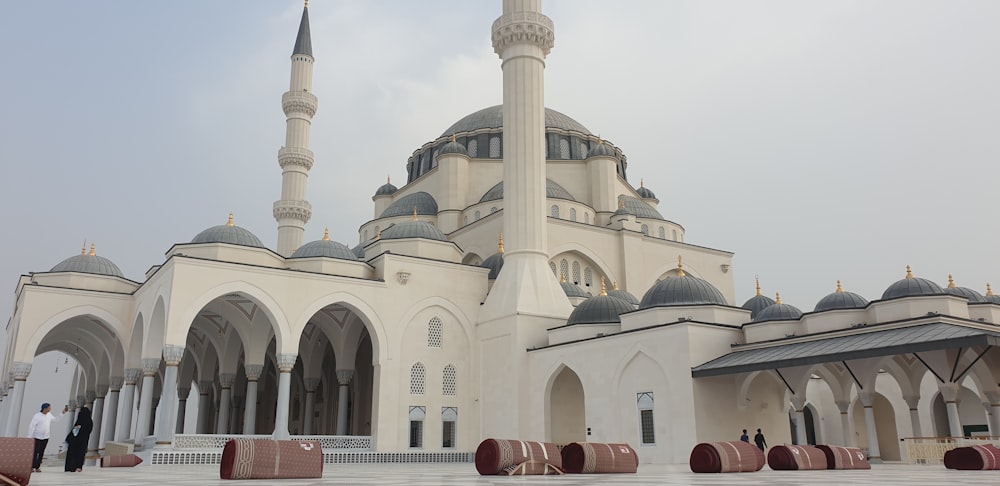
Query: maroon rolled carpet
x,y
495,455
796,458
271,459
531,468
721,457
973,458
838,457
15,458
595,457
121,460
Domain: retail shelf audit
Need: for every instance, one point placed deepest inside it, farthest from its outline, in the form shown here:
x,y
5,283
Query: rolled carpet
x,y
595,457
973,458
271,459
495,455
796,458
121,460
838,457
721,457
15,459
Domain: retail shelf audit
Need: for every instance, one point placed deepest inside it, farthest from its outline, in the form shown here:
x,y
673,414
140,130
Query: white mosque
x,y
518,285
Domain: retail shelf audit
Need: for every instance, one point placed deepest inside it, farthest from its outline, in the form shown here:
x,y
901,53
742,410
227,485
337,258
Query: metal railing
x,y
217,441
930,450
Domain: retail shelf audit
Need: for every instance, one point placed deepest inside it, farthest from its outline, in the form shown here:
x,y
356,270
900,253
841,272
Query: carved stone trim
x,y
286,362
292,209
132,375
71,404
296,156
172,354
81,400
91,396
344,377
226,380
253,371
150,366
302,102
21,371
523,27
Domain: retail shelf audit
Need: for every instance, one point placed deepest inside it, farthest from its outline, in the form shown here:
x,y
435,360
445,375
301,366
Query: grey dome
x,y
599,309
622,210
453,147
639,208
423,202
413,229
973,296
552,191
682,290
572,289
324,248
228,233
779,312
841,299
644,191
757,303
386,189
623,295
359,250
911,286
492,117
91,263
495,263
601,149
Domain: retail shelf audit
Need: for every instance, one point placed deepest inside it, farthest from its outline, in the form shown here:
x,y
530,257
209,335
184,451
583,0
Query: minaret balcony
x,y
292,209
299,102
295,157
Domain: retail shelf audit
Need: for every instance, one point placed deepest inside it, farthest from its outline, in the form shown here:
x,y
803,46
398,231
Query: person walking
x,y
38,429
759,440
745,437
77,440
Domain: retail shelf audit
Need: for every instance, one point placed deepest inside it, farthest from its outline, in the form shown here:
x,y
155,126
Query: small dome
x,y
324,248
601,149
990,296
423,202
413,229
639,208
779,311
973,296
841,299
552,191
911,286
359,250
758,302
88,263
599,309
228,233
495,261
453,147
623,295
571,289
682,290
644,191
386,189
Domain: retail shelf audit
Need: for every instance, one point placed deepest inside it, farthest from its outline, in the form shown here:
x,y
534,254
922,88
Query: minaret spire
x,y
293,211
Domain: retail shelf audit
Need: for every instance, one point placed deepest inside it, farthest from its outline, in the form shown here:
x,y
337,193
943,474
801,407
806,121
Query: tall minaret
x,y
526,298
292,211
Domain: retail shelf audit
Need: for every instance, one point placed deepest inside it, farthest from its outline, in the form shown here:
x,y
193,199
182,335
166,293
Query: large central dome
x,y
492,117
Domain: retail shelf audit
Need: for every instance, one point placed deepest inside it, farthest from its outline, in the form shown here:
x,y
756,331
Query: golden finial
x,y
989,290
83,251
614,285
500,243
326,234
562,278
414,213
604,288
951,282
621,203
909,273
680,267
387,181
93,250
378,235
777,297
757,279
600,141
307,3
230,222
840,289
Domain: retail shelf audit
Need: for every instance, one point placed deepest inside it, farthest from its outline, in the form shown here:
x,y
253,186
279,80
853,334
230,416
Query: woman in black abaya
x,y
77,440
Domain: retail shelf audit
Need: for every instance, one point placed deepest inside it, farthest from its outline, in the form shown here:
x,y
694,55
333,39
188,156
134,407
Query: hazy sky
x,y
816,140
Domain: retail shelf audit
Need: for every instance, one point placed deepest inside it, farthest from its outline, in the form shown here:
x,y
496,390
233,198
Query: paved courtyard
x,y
465,474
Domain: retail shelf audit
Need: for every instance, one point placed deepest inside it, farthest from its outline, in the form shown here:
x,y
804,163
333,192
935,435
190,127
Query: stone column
x,y
949,391
167,420
234,416
868,400
253,372
285,364
311,385
182,398
204,408
344,378
111,420
845,423
222,421
128,401
799,403
21,372
98,418
993,399
70,422
911,403
149,368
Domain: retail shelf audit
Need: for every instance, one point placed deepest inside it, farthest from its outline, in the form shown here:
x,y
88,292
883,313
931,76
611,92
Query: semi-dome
x,y
228,233
682,289
571,289
422,202
638,207
88,263
492,117
779,311
495,261
601,149
453,147
623,294
973,296
758,302
990,296
644,191
841,299
910,286
324,248
552,191
599,309
386,189
413,229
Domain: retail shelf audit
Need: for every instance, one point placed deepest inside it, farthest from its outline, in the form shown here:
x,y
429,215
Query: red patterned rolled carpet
x,y
838,457
121,460
973,458
720,457
796,458
495,455
271,459
15,459
594,457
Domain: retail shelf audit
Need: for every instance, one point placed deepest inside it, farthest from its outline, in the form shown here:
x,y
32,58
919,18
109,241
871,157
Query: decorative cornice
x,y
150,366
226,380
172,354
21,371
296,156
299,102
292,209
311,384
286,362
132,375
253,371
523,28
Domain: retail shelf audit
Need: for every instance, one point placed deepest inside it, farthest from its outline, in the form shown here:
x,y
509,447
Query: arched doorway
x,y
567,413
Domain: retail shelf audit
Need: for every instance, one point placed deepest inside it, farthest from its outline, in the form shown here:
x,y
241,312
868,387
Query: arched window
x,y
425,162
663,233
417,416
448,380
552,265
555,211
494,147
434,333
647,428
675,235
588,277
473,147
563,268
576,272
493,209
417,379
366,236
449,421
563,149
477,215
583,148
572,214
645,229
586,218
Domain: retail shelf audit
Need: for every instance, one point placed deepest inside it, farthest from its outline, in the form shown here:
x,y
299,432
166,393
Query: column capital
x,y
843,406
204,386
226,380
799,402
102,390
867,398
183,392
71,404
911,401
132,375
117,382
150,366
91,396
993,397
172,354
286,362
253,371
311,384
81,400
344,377
21,371
949,391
